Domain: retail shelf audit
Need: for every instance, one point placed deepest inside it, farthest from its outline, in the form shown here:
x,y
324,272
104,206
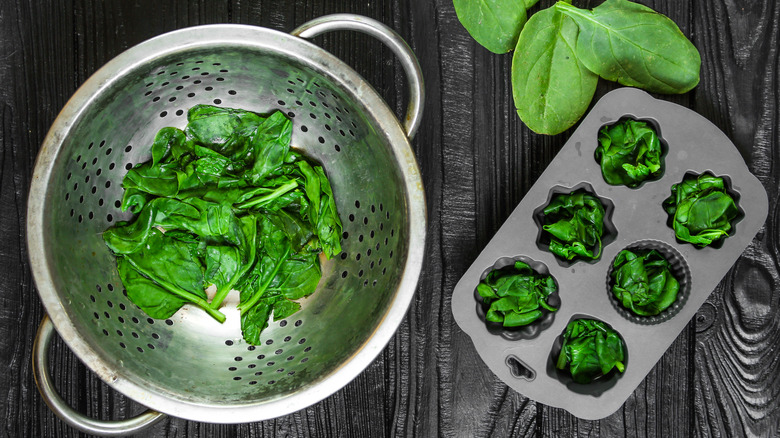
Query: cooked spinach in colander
x,y
225,204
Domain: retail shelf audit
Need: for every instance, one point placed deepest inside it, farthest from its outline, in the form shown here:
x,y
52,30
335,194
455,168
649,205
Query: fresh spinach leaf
x,y
495,24
152,298
702,210
629,153
633,45
551,87
225,202
516,295
643,282
574,223
590,350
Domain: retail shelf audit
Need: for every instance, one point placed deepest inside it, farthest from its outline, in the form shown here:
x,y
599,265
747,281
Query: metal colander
x,y
191,366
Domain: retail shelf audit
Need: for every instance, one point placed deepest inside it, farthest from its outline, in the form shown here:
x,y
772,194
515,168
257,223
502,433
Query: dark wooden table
x,y
719,378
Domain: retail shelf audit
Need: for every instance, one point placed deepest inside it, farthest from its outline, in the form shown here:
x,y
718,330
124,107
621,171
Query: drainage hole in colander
x,y
122,344
156,99
279,351
272,382
228,342
164,113
314,117
298,323
272,363
119,332
105,332
217,101
287,338
232,92
120,319
238,358
197,81
237,378
304,128
179,112
283,323
260,356
250,348
232,368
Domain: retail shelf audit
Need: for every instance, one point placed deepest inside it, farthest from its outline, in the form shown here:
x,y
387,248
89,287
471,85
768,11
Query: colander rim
x,y
251,37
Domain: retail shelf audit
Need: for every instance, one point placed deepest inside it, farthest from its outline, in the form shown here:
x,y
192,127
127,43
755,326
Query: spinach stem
x,y
261,290
189,296
262,200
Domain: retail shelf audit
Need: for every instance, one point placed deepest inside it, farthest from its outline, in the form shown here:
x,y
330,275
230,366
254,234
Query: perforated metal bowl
x,y
190,366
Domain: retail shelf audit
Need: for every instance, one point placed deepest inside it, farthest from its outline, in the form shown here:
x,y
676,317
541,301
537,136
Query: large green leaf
x,y
631,44
495,24
552,88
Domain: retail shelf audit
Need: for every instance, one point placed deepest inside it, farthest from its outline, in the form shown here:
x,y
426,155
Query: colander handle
x,y
392,40
65,412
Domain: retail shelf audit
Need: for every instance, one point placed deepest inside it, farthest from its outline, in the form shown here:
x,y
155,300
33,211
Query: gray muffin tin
x,y
524,359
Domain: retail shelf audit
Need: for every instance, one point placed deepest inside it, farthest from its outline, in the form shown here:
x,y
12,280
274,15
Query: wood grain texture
x,y
719,378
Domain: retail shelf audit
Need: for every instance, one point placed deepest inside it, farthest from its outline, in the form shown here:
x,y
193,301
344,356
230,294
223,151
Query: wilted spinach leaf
x,y
629,153
225,202
701,209
575,224
551,87
590,349
515,295
633,45
493,23
643,281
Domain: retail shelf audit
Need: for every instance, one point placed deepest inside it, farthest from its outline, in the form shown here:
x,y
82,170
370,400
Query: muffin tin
x,y
525,360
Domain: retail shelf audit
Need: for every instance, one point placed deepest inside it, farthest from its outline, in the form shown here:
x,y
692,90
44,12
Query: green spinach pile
x,y
574,222
515,294
643,281
225,203
590,349
701,209
629,153
561,51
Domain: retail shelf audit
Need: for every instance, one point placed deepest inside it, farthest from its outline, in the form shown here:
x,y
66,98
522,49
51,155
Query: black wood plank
x,y
478,160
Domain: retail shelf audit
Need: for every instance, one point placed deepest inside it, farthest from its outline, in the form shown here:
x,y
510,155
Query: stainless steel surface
x,y
392,40
71,416
190,366
695,145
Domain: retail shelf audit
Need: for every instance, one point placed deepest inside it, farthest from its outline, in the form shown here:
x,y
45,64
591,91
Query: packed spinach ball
x,y
629,153
574,223
590,350
516,295
701,210
643,282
